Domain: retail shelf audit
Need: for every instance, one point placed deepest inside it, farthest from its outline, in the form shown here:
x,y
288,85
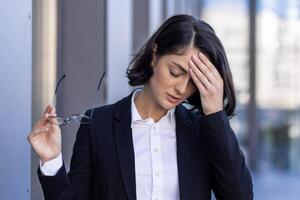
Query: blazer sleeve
x,y
231,177
77,183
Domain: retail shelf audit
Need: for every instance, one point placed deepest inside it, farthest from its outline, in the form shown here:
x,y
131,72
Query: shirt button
x,y
155,150
156,174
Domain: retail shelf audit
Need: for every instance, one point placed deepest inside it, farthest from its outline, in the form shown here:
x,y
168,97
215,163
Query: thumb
x,y
52,110
47,109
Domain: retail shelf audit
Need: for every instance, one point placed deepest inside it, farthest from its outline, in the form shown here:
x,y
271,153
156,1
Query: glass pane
x,y
229,18
278,100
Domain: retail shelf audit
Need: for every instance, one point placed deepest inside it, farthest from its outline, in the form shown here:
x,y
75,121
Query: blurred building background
x,y
262,42
42,40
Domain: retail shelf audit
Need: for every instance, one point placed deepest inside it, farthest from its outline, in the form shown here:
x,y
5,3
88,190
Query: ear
x,y
154,47
154,55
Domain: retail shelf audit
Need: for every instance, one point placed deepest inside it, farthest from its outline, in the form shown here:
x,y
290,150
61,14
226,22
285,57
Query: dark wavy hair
x,y
175,35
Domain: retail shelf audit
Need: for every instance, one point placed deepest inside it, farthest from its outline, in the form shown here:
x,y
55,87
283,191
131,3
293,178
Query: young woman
x,y
149,145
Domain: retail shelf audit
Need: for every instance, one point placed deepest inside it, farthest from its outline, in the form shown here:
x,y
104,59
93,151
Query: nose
x,y
182,86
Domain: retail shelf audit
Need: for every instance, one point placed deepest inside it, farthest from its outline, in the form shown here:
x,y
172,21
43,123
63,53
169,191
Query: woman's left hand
x,y
209,83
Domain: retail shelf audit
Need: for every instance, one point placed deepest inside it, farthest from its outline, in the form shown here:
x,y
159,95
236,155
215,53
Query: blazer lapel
x,y
124,145
185,151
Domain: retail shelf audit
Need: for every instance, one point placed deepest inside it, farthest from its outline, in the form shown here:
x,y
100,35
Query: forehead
x,y
182,58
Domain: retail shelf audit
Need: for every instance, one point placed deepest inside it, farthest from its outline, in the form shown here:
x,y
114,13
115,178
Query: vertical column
x,y
140,23
44,60
118,47
170,8
252,121
156,14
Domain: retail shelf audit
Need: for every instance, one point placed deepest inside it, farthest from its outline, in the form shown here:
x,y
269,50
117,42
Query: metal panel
x,y
119,48
81,49
15,99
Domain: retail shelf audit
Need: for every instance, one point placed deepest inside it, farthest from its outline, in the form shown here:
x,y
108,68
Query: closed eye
x,y
174,74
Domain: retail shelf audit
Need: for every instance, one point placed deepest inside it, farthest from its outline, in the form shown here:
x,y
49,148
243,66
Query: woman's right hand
x,y
45,137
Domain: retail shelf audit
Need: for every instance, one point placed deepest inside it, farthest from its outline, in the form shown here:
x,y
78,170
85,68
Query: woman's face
x,y
171,83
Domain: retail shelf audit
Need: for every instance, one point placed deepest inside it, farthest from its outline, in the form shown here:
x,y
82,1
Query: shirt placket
x,y
157,164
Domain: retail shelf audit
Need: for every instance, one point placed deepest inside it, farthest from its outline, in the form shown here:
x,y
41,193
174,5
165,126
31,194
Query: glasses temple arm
x,y
99,84
56,88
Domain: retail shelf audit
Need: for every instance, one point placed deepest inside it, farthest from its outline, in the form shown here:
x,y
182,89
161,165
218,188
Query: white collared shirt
x,y
155,156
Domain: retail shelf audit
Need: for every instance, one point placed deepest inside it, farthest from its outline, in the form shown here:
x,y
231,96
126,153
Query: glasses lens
x,y
79,118
74,116
61,121
83,119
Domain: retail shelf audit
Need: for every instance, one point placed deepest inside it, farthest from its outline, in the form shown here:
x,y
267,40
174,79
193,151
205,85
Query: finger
x,y
51,114
44,128
52,119
52,111
54,125
44,120
47,109
197,82
204,69
199,75
39,130
209,65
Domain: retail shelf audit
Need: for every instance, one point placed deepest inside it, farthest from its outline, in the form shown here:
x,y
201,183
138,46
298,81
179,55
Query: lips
x,y
172,99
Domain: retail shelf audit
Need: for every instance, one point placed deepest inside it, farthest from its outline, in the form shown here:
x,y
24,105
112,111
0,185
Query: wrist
x,y
51,167
44,160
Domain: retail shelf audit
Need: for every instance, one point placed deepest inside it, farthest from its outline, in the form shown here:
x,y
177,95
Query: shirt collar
x,y
167,121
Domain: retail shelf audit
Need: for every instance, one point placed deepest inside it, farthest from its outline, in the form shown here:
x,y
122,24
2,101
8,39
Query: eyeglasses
x,y
76,118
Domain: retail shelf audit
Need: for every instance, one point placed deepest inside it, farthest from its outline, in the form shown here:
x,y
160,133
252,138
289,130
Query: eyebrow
x,y
180,67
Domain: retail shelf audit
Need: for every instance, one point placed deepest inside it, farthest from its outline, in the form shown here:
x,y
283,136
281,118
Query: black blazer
x,y
103,168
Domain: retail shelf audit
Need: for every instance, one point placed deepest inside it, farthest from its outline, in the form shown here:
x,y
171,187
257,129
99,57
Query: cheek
x,y
161,80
